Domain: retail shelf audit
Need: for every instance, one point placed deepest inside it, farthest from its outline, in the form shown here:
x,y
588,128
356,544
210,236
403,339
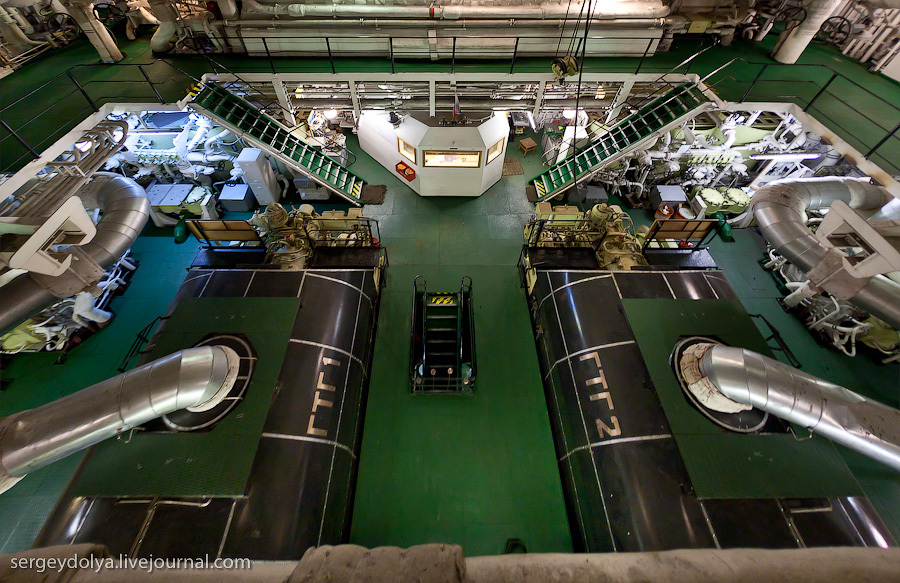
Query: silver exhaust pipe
x,y
125,209
197,379
780,210
749,378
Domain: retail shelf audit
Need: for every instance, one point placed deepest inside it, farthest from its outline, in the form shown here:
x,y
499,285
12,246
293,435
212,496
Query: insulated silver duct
x,y
125,211
841,415
780,210
353,26
193,378
604,11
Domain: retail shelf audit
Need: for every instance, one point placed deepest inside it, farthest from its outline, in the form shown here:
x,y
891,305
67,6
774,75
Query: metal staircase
x,y
660,115
246,120
442,352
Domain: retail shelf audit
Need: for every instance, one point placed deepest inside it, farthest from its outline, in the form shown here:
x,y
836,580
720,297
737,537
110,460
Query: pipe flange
x,y
704,397
205,417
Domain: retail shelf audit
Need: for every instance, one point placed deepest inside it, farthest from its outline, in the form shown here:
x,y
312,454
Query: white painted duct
x,y
125,211
791,46
163,39
839,414
228,8
552,10
780,210
83,13
195,377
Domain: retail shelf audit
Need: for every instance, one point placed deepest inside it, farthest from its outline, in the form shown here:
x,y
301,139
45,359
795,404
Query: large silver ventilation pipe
x,y
193,378
125,211
780,210
353,25
553,10
825,408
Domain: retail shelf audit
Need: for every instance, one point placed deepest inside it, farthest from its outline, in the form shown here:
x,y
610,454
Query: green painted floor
x,y
471,470
474,470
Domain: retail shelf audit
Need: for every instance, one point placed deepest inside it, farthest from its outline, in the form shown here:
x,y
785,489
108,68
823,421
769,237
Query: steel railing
x,y
34,120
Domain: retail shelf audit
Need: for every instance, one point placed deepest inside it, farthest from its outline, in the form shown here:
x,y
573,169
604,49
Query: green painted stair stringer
x,y
664,113
247,121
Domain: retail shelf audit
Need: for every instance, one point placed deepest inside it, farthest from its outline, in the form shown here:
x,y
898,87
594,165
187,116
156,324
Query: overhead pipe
x,y
660,22
830,410
780,211
198,378
423,104
125,210
553,10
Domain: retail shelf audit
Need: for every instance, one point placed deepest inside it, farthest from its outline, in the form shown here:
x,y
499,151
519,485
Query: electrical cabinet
x,y
259,175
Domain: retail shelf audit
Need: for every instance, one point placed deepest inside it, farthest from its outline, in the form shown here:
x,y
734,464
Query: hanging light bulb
x,y
331,113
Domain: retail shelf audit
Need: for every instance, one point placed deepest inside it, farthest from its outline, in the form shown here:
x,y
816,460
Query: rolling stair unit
x,y
246,120
660,115
442,350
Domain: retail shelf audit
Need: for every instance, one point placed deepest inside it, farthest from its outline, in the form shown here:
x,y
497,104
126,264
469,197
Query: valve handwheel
x,y
109,14
63,27
835,30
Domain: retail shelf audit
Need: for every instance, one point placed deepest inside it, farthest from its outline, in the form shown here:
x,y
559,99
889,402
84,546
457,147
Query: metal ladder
x,y
442,353
274,138
662,114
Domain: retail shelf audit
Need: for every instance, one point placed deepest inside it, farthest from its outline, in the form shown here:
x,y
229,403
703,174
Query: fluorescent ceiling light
x,y
788,156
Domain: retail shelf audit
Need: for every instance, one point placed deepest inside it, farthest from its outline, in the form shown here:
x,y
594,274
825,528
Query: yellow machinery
x,y
606,229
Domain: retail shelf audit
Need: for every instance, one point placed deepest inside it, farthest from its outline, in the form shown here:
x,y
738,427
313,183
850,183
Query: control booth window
x,y
452,159
408,151
495,150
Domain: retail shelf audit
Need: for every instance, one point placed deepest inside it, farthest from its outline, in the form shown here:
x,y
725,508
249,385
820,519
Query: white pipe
x,y
208,144
83,13
228,8
147,16
161,41
23,24
792,46
206,23
877,42
10,25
